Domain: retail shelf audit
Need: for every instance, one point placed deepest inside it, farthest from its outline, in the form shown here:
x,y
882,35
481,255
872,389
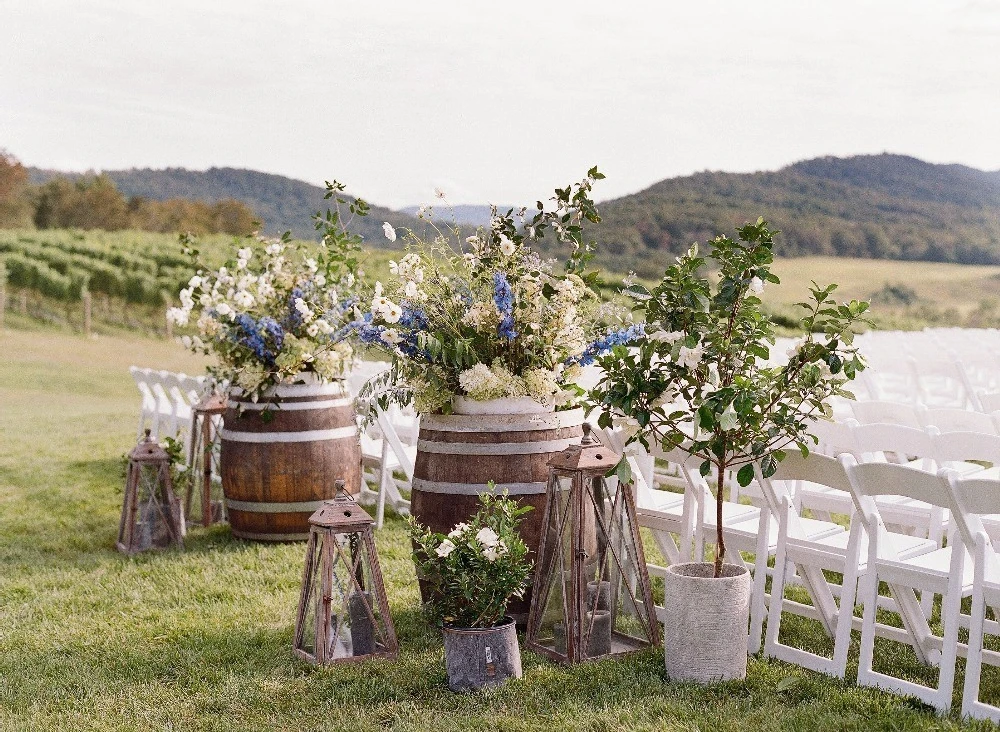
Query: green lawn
x,y
201,639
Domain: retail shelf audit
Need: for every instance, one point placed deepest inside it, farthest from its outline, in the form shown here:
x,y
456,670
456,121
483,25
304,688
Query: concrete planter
x,y
705,634
481,657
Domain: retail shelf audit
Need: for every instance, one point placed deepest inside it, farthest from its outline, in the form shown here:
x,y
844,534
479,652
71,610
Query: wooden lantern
x,y
151,513
202,504
591,596
343,610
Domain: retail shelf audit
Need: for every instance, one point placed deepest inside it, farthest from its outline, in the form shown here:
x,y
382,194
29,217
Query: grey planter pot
x,y
481,657
705,634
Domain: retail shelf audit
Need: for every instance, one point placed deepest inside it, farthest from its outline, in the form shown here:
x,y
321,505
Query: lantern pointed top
x,y
590,454
148,451
341,512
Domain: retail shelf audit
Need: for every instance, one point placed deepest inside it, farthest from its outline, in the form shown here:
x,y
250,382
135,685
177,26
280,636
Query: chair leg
x,y
950,609
384,476
775,606
845,621
757,605
974,658
870,599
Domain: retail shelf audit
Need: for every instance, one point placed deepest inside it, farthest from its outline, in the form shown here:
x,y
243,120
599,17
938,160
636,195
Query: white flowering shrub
x,y
494,320
702,380
471,573
278,309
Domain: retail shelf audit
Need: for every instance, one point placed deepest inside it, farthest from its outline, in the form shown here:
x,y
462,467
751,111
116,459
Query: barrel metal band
x,y
475,489
502,448
502,422
254,536
303,436
289,406
264,507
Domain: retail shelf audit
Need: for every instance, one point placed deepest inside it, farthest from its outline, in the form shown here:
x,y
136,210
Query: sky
x,y
495,102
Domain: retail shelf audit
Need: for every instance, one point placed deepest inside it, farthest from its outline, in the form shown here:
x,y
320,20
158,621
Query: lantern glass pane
x,y
615,618
556,567
312,599
204,474
357,625
153,524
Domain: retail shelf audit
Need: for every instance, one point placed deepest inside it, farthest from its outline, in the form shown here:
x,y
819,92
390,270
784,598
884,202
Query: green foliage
x,y
701,381
473,572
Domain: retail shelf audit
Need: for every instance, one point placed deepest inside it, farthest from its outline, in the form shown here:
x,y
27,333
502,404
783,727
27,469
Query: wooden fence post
x,y
86,313
3,292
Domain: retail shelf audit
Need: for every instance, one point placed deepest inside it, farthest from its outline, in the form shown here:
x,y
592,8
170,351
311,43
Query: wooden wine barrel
x,y
280,463
457,455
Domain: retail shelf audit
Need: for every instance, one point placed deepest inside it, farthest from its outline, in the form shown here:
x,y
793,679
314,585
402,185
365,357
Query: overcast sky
x,y
498,101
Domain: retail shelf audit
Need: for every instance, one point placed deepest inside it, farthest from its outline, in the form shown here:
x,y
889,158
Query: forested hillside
x,y
880,206
280,203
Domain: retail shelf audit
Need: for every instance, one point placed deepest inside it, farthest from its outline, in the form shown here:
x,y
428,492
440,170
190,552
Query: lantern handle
x,y
146,438
341,487
588,438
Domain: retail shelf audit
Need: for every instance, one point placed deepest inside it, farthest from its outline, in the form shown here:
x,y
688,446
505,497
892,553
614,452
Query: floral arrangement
x,y
702,378
474,571
279,309
494,320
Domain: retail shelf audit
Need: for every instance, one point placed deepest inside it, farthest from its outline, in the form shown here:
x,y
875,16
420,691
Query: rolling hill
x,y
874,206
281,203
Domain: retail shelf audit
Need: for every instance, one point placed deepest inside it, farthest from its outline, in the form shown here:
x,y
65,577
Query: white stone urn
x,y
705,632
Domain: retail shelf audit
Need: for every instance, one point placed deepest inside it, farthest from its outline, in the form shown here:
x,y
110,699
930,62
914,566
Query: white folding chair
x,y
972,497
147,407
949,419
942,382
843,553
883,412
937,572
989,402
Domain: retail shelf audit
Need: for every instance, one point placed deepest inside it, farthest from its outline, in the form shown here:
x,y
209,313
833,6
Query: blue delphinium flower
x,y
606,342
294,318
503,298
254,335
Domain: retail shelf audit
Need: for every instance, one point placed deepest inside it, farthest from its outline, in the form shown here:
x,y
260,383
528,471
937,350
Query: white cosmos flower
x,y
243,299
320,280
311,265
411,289
445,548
439,193
390,233
245,253
757,286
178,316
195,282
487,537
223,309
393,313
241,263
390,336
205,300
507,247
313,330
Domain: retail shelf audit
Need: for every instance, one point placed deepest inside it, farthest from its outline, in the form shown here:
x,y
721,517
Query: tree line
x,y
94,202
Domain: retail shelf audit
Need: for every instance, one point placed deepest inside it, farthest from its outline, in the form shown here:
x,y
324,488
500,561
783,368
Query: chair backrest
x,y
950,419
869,480
814,468
834,437
886,413
873,441
966,446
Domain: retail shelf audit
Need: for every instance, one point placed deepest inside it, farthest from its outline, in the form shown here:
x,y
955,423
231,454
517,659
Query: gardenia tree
x,y
701,380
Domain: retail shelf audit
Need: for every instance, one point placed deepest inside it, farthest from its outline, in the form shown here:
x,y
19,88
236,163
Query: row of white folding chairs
x,y
872,554
942,380
167,399
866,552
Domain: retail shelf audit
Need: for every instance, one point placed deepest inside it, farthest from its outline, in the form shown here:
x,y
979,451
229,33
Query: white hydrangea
x,y
480,383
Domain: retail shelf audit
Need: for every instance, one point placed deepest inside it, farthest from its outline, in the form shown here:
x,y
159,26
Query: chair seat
x,y
747,528
924,569
658,501
731,512
834,547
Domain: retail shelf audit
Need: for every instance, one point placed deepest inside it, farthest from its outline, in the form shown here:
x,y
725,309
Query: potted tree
x,y
473,572
703,380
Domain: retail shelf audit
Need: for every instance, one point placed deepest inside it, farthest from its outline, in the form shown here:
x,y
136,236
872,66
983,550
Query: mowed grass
x,y
201,639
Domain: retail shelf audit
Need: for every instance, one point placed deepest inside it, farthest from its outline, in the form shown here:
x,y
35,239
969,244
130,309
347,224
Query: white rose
x,y
666,336
757,286
460,528
205,300
690,357
491,554
390,233
487,537
445,548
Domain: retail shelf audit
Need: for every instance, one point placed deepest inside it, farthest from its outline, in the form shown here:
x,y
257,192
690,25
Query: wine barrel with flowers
x,y
282,455
457,455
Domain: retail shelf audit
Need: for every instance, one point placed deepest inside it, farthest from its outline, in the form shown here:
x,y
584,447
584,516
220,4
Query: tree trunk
x,y
720,543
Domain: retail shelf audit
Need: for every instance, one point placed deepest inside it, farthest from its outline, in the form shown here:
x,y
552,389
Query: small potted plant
x,y
473,572
703,380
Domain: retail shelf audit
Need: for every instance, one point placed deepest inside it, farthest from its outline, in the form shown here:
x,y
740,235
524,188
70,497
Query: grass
x,y
201,639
